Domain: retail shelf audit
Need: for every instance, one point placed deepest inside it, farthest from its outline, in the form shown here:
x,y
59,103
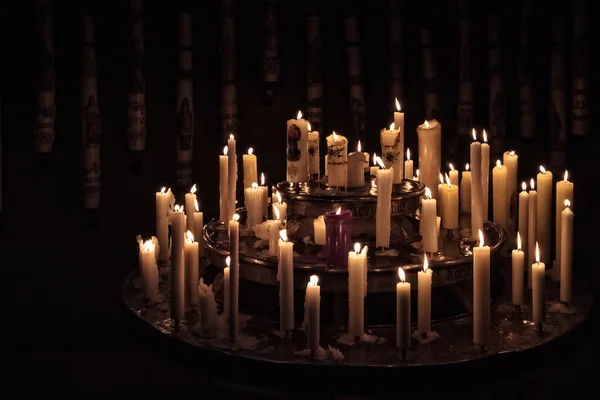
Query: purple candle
x,y
337,235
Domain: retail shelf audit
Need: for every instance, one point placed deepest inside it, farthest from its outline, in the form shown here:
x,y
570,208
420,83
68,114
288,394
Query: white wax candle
x,y
319,230
399,125
226,288
281,208
149,269
424,298
177,263
430,153
250,169
337,160
453,174
314,162
356,167
207,308
511,161
286,282
198,228
532,232
524,217
566,254
190,199
449,198
538,278
234,276
564,191
297,149
392,150
485,177
408,166
192,268
465,190
264,195
428,222
164,201
254,205
499,195
274,227
384,207
312,309
402,312
476,189
357,264
231,175
518,274
544,215
375,167
224,186
481,293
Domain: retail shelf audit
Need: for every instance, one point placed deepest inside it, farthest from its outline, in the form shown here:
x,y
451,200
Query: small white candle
x,y
198,227
538,271
226,287
424,297
428,221
234,276
465,190
250,169
286,282
264,195
357,264
337,160
207,308
430,153
164,201
375,166
511,161
481,293
524,217
532,231
192,269
224,186
453,174
280,206
476,188
392,151
408,166
254,205
383,214
312,308
564,191
449,198
177,263
319,230
314,165
499,195
518,274
297,149
544,214
190,199
402,312
566,254
356,166
485,176
231,175
149,269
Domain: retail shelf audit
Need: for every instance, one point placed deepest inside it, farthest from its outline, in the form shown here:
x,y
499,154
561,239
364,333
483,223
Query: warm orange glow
x,y
148,245
417,173
225,150
235,217
357,248
518,241
425,263
339,211
481,243
484,136
335,136
231,136
250,151
228,261
523,186
448,180
567,203
401,274
314,280
542,169
537,252
397,104
511,153
380,162
466,166
196,205
374,158
309,127
408,154
189,237
359,149
276,213
451,166
283,235
392,126
194,189
299,116
498,164
262,179
278,197
428,193
474,134
254,185
566,177
532,184
441,179
163,190
426,123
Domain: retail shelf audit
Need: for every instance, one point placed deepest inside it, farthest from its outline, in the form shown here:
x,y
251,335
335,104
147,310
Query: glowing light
x,y
194,189
196,205
426,123
335,136
357,248
523,186
484,136
299,116
441,178
235,217
481,243
163,190
511,153
448,180
380,162
250,151
262,179
425,264
225,150
401,274
397,104
373,185
417,173
276,213
278,196
474,134
532,184
542,169
408,154
283,235
314,280
339,211
254,185
518,241
359,148
374,158
498,164
231,136
428,193
537,252
451,166
189,237
228,261
148,245
466,166
392,126
566,177
178,208
309,127
567,203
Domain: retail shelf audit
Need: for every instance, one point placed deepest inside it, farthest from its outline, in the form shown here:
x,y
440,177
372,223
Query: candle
x,y
366,166
280,206
234,275
408,166
538,278
254,205
312,310
337,160
544,218
392,150
338,226
264,195
224,186
476,188
199,226
518,274
428,221
326,163
524,216
231,176
190,199
532,232
297,149
399,123
424,298
430,153
499,195
274,227
357,264
511,161
250,170
375,167
319,230
453,174
566,254
384,206
481,293
440,198
564,191
177,263
192,269
164,201
286,282
314,166
417,175
226,287
356,167
465,190
149,269
449,199
207,307
485,177
402,312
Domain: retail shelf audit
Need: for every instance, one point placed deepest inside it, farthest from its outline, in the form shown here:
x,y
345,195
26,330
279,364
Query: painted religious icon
x,y
294,135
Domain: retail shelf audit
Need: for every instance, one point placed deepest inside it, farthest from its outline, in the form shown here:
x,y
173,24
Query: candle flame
x,y
542,169
194,189
373,185
178,208
498,164
225,150
532,184
335,136
196,205
235,217
566,177
537,252
250,151
380,162
262,179
228,261
428,193
518,241
426,123
484,136
567,203
148,245
466,166
448,180
441,179
359,148
309,127
163,190
392,126
254,185
364,250
357,247
278,196
374,158
283,235
451,166
299,116
417,172
189,237
339,211
474,134
313,280
231,136
481,242
401,274
276,213
425,263
397,104
523,186
408,154
511,153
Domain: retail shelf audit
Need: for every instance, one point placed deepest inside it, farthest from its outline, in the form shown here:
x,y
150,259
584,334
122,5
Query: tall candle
x,y
402,312
198,227
532,232
226,287
319,230
485,177
476,189
465,190
544,214
428,221
518,274
192,268
564,191
281,207
297,149
337,160
312,308
190,199
234,275
375,167
314,165
399,124
356,166
524,217
453,174
224,186
499,195
164,202
424,300
357,264
338,226
408,166
449,198
511,161
384,206
231,175
149,269
177,263
286,282
254,205
481,293
566,254
250,169
391,151
264,195
538,301
430,153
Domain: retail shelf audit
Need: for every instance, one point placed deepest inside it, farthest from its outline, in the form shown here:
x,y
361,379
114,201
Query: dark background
x,y
63,323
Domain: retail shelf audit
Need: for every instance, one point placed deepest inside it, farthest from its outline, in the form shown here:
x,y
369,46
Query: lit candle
x,y
234,275
338,225
391,150
357,264
280,206
399,123
286,282
544,214
449,198
511,161
297,149
424,300
207,308
314,165
250,169
566,254
190,199
465,190
402,312
192,269
383,212
264,195
177,263
453,174
518,274
524,217
319,230
199,226
538,278
232,175
485,177
499,195
476,189
149,269
564,191
356,166
430,153
428,221
375,166
408,166
481,293
417,175
532,232
254,205
312,309
226,287
440,198
164,202
337,160
224,186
